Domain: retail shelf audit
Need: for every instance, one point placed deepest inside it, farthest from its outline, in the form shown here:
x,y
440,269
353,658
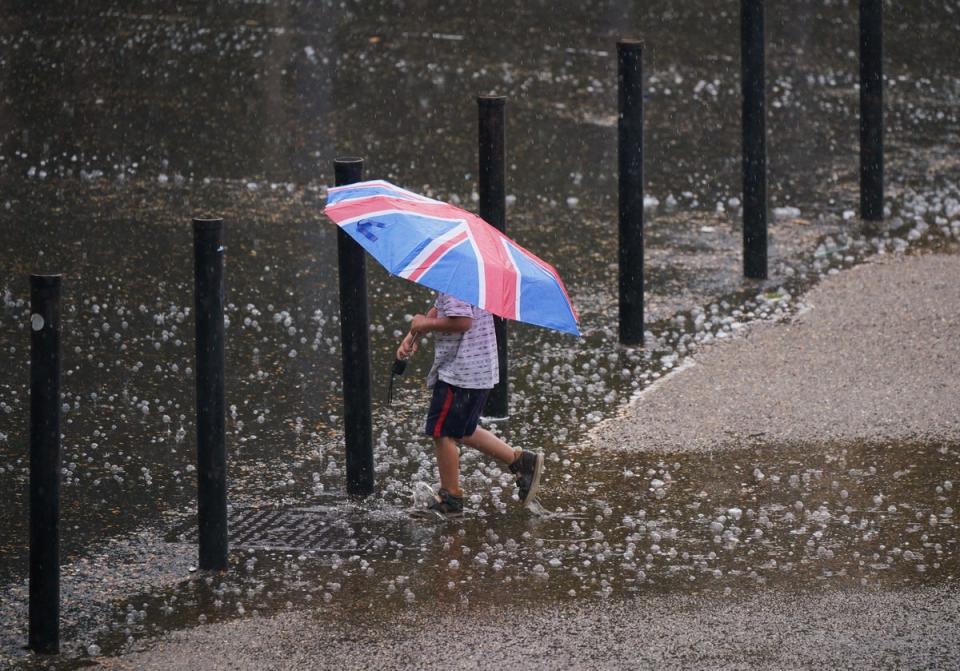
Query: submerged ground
x,y
835,545
120,123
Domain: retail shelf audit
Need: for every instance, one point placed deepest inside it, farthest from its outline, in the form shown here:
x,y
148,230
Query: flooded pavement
x,y
120,123
750,525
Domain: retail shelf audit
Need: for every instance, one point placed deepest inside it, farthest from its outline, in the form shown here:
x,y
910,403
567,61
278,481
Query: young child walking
x,y
465,369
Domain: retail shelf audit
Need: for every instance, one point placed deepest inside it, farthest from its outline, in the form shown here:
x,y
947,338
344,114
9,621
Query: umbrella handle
x,y
400,365
398,368
414,335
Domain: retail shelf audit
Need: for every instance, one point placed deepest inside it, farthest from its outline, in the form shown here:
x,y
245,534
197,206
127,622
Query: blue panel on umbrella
x,y
395,239
456,274
542,301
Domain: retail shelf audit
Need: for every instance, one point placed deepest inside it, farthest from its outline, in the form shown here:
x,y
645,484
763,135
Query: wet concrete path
x,y
118,122
835,629
873,358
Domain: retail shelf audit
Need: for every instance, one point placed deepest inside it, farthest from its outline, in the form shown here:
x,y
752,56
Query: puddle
x,y
850,516
131,121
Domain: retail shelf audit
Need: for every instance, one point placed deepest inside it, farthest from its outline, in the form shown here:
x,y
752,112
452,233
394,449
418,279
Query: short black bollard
x,y
871,109
754,140
355,344
630,161
493,210
45,458
211,450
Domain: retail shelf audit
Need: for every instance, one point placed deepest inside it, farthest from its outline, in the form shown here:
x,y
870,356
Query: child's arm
x,y
409,345
430,323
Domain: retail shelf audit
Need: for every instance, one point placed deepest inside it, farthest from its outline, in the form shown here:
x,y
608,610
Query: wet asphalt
x,y
125,119
879,341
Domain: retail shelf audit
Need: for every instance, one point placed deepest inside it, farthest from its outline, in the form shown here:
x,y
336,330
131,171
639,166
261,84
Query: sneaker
x,y
527,467
447,504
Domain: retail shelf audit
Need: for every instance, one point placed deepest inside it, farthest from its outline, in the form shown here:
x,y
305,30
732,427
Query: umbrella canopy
x,y
451,250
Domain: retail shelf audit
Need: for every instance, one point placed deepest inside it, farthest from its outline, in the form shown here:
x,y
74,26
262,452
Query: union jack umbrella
x,y
451,250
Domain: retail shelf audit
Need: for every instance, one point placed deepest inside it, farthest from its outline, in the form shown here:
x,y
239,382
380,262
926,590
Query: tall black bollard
x,y
871,109
211,450
493,210
44,635
630,160
754,140
355,343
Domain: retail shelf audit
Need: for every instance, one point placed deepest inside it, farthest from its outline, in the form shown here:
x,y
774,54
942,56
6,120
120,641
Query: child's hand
x,y
419,323
408,346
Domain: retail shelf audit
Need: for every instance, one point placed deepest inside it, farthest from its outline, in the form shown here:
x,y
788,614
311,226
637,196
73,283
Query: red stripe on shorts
x,y
447,402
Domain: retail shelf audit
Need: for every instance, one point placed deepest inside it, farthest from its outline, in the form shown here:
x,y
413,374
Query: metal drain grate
x,y
290,530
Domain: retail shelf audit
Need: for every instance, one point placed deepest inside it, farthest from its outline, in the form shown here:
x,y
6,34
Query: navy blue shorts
x,y
454,411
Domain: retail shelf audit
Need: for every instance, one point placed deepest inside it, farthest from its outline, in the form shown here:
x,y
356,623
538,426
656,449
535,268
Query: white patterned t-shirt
x,y
467,359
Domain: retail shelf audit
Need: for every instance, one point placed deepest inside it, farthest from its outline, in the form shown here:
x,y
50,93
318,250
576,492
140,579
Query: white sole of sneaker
x,y
535,485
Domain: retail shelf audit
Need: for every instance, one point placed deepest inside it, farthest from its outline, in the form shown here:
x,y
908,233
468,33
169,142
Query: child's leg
x,y
489,444
448,463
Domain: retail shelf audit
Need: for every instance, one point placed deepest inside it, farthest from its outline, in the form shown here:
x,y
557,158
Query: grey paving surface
x,y
834,630
876,357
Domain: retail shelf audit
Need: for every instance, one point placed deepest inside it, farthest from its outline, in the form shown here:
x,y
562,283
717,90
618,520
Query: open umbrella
x,y
451,250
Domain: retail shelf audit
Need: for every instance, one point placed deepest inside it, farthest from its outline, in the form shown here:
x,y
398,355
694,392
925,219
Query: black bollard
x,y
44,635
630,161
493,210
355,344
211,450
754,140
871,109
